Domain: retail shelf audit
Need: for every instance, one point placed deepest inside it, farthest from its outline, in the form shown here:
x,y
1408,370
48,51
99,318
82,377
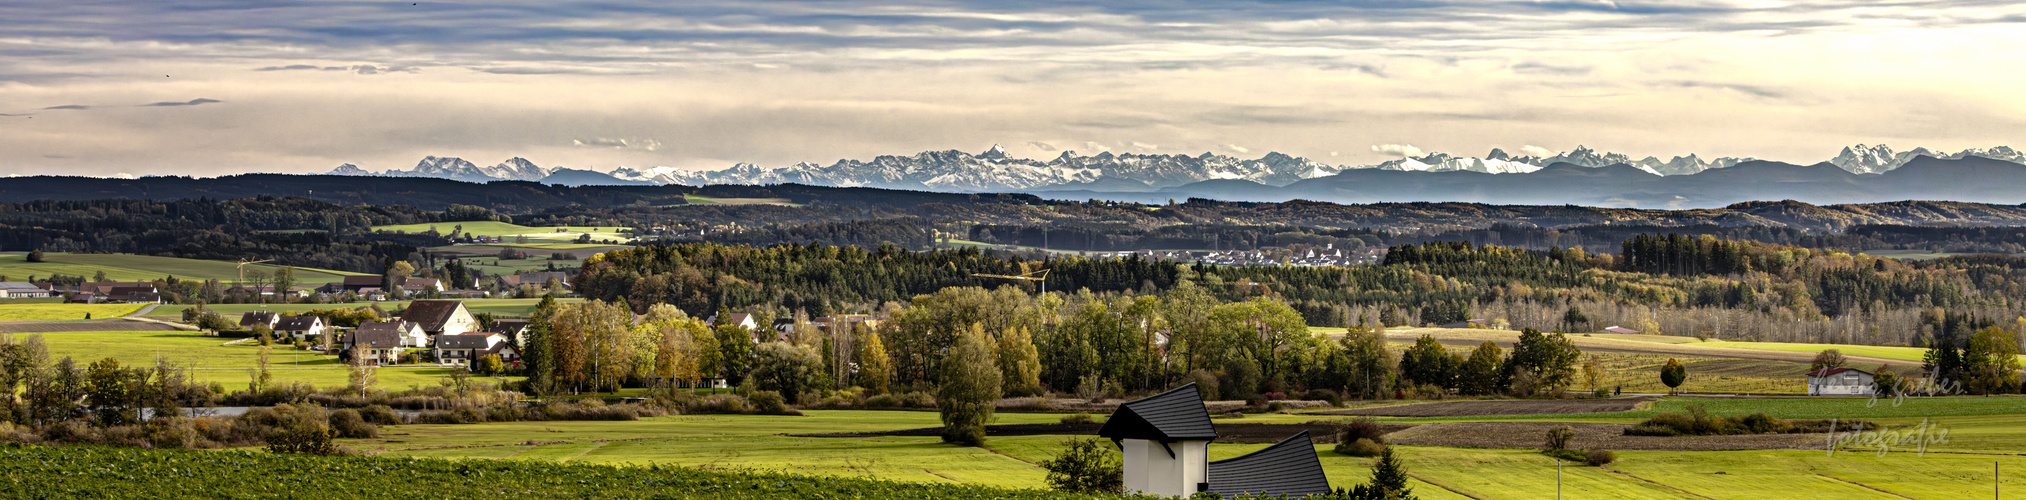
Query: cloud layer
x,y
307,85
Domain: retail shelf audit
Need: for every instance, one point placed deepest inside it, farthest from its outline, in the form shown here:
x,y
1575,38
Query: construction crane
x,y
242,269
1040,276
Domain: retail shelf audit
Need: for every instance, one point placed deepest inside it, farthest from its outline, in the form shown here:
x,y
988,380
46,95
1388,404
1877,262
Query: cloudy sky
x,y
208,87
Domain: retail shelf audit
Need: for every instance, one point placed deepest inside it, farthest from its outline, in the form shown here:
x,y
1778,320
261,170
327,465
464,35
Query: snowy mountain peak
x,y
996,153
349,169
1862,159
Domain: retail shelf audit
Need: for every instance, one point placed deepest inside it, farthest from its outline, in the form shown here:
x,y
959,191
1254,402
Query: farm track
x,y
100,325
1591,436
1491,408
1505,339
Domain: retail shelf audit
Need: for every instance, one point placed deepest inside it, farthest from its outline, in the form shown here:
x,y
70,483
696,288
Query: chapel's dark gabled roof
x,y
1176,415
1289,468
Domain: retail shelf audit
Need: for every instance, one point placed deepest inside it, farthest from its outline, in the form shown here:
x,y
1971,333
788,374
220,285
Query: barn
x,y
1840,381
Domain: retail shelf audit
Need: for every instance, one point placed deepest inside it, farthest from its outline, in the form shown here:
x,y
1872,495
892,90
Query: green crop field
x,y
559,234
765,443
10,311
97,472
1912,354
129,267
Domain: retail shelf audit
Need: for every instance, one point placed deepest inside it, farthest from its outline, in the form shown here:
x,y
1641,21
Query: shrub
x,y
1569,455
718,403
1206,384
1558,438
380,415
1086,465
302,429
770,403
883,401
1274,396
1361,448
1077,418
349,424
1361,428
1596,458
1323,395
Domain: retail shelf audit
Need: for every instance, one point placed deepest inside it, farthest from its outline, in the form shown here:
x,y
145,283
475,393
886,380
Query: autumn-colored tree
x,y
874,368
1673,374
1019,363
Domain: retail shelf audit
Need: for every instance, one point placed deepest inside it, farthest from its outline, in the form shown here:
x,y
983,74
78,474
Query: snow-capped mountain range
x,y
1879,159
994,170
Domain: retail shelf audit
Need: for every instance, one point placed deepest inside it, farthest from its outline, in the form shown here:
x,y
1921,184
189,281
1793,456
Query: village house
x,y
1166,438
408,333
254,318
743,320
301,327
464,348
441,317
1841,381
364,285
515,329
378,347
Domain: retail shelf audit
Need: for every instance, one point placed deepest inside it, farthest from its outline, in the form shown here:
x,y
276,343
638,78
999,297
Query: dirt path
x,y
144,311
1501,407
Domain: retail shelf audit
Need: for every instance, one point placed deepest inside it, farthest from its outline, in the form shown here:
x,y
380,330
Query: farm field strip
x,y
554,234
1911,354
129,267
57,312
506,307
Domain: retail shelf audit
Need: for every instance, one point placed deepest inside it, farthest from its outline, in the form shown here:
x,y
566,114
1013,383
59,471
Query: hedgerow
x,y
28,471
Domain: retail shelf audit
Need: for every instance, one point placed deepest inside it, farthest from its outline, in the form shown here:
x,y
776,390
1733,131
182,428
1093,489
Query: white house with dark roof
x,y
441,317
1841,381
302,327
23,290
1166,439
406,333
252,318
462,349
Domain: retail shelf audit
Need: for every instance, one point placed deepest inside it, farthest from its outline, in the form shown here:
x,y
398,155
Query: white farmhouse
x,y
1840,381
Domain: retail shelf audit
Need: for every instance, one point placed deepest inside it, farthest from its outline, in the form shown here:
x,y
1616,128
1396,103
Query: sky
x,y
214,87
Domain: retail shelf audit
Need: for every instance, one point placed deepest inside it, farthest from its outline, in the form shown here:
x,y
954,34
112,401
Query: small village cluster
x,y
373,288
1327,255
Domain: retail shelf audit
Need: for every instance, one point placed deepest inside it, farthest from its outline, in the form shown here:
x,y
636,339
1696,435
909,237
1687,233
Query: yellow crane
x,y
1040,276
242,269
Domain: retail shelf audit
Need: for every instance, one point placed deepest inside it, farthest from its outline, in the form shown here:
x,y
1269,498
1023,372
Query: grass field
x,y
503,307
763,443
54,312
128,267
706,200
559,234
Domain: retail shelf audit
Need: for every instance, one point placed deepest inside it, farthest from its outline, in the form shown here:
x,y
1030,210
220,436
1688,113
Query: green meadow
x,y
129,267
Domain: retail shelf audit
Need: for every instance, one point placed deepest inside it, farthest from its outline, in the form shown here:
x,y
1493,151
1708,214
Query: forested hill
x,y
1673,284
798,204
438,194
